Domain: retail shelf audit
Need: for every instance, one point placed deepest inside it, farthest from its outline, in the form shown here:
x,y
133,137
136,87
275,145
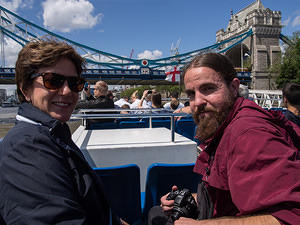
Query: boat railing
x,y
86,114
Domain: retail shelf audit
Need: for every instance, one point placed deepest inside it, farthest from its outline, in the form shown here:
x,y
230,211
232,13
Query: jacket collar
x,y
59,131
30,112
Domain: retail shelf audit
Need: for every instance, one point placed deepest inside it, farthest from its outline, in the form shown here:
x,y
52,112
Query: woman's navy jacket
x,y
44,178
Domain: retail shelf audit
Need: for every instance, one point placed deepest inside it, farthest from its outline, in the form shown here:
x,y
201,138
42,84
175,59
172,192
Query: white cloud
x,y
296,21
11,5
67,15
156,54
286,22
11,50
27,4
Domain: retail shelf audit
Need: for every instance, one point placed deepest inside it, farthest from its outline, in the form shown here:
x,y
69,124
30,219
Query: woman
x,y
44,177
154,103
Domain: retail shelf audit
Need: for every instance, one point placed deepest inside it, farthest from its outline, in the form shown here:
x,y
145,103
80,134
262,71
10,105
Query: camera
x,y
149,92
184,204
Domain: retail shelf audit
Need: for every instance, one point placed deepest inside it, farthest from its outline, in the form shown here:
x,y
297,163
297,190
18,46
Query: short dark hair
x,y
291,91
216,61
156,99
174,104
174,94
37,54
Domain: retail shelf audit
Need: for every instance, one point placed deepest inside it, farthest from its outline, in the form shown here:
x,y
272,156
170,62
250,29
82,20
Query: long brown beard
x,y
208,125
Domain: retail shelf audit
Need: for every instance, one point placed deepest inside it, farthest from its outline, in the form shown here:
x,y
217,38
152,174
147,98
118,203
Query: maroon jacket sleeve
x,y
264,175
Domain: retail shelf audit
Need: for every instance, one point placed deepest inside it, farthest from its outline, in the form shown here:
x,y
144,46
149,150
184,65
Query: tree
x,y
289,69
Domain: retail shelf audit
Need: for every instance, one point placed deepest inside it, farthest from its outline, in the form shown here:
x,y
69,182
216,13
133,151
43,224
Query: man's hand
x,y
167,205
145,93
123,222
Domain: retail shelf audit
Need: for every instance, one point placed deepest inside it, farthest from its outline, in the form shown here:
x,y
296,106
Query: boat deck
x,y
141,146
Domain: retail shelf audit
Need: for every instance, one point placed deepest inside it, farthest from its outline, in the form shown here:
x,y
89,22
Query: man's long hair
x,y
216,61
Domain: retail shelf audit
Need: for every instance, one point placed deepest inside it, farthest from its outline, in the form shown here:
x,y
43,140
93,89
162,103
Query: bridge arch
x,y
236,53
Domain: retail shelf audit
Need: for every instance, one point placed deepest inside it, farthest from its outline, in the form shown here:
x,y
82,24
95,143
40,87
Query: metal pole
x,y
242,58
172,129
2,53
150,119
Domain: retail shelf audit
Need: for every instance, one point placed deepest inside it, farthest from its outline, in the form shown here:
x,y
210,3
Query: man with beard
x,y
249,157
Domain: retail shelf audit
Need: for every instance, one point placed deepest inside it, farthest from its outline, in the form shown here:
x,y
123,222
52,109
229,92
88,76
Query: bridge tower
x,y
262,47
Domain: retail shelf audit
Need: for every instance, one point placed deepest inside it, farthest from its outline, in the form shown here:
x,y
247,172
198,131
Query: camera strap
x,y
205,204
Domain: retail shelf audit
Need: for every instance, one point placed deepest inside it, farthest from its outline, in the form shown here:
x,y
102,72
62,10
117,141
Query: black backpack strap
x,y
205,204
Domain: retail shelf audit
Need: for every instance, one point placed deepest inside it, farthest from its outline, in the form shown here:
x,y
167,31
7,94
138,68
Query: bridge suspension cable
x,y
21,31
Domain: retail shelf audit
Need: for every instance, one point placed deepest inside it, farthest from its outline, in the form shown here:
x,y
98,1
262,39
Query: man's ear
x,y
234,86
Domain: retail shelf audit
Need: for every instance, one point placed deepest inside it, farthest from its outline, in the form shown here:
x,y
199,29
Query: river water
x,y
8,118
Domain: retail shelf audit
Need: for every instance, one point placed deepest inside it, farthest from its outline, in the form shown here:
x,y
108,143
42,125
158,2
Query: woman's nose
x,y
65,89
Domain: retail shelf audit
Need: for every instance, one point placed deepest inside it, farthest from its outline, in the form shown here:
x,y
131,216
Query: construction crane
x,y
130,56
174,49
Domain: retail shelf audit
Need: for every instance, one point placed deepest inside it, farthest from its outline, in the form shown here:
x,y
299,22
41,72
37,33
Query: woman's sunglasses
x,y
54,81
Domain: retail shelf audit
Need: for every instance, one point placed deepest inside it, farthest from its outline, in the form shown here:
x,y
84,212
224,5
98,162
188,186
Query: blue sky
x,y
147,26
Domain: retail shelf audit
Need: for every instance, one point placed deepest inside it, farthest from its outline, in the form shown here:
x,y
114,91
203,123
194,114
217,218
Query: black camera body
x,y
184,204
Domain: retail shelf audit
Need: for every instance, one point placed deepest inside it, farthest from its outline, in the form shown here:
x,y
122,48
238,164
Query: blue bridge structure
x,y
107,66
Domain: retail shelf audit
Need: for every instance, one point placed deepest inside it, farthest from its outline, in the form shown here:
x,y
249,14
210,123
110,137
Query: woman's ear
x,y
26,94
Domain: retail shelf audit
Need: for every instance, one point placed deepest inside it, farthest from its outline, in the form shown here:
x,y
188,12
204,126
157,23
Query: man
x,y
249,157
291,100
100,100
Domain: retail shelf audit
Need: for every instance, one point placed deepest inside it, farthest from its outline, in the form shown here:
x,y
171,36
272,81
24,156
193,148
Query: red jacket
x,y
252,164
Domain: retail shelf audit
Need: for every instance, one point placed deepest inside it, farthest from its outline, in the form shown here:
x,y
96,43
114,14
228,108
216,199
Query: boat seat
x,y
186,127
160,179
122,186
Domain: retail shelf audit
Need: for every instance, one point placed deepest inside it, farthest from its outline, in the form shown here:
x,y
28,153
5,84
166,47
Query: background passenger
x,y
156,102
174,104
100,100
134,100
291,100
174,96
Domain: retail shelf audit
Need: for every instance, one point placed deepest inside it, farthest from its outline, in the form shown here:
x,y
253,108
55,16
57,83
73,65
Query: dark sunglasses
x,y
54,81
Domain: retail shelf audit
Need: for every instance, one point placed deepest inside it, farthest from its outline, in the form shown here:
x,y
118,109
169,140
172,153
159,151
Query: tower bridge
x,y
116,76
254,31
262,48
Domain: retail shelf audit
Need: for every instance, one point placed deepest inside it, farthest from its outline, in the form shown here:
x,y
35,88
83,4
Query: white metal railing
x,y
267,98
86,114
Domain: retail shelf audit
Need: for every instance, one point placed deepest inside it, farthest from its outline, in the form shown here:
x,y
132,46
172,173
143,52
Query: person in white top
x,y
174,96
134,99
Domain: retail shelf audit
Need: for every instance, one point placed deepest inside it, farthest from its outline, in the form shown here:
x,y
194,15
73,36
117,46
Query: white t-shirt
x,y
167,106
121,102
135,104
